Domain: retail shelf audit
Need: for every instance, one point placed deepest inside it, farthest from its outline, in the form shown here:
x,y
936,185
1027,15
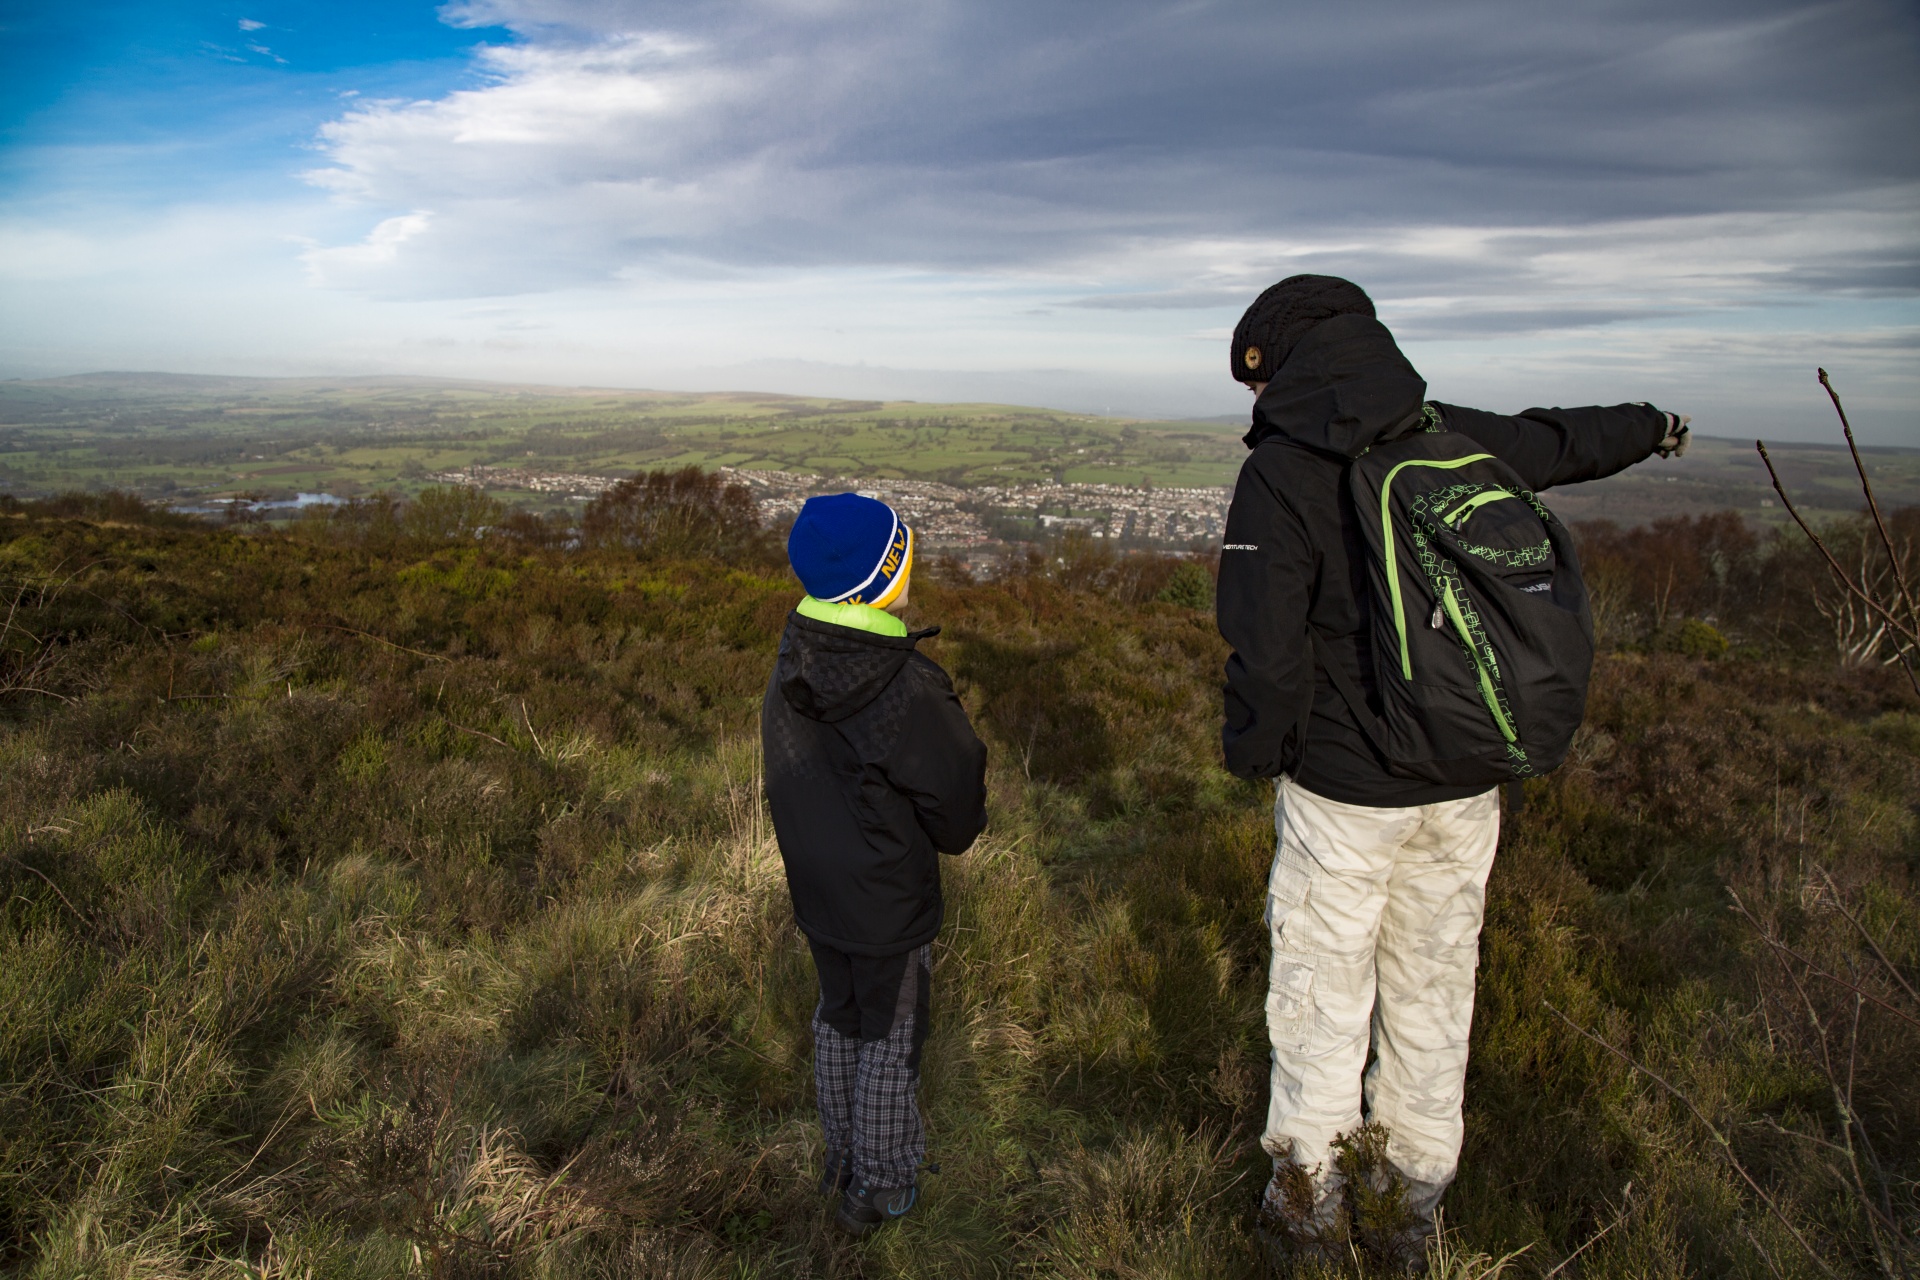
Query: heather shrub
x,y
688,512
378,899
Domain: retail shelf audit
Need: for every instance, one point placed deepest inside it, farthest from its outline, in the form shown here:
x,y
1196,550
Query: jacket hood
x,y
828,672
1344,388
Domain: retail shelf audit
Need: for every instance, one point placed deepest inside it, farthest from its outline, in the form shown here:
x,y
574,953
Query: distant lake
x,y
299,501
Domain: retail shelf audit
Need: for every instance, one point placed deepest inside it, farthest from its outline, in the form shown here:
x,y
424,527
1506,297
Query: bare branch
x,y
1726,1147
1866,487
368,635
1853,920
480,733
1906,629
1815,969
1626,1207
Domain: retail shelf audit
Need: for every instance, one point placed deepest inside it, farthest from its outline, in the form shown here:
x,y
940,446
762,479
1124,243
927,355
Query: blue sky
x,y
149,102
1065,203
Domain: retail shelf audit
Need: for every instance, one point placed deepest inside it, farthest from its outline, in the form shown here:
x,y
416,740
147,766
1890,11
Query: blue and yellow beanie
x,y
848,549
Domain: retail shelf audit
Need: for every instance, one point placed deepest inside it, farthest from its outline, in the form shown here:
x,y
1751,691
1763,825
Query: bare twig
x,y
1740,908
1842,1092
1845,579
1905,629
478,734
28,688
1626,1196
1761,1249
368,635
1726,1147
1843,1105
56,889
1853,920
1866,487
1866,1146
530,733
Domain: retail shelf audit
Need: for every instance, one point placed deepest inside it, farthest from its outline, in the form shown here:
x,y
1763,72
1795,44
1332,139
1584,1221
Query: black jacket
x,y
1294,552
871,769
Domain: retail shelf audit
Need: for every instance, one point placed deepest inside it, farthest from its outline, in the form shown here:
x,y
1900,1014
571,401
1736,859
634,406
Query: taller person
x,y
1408,631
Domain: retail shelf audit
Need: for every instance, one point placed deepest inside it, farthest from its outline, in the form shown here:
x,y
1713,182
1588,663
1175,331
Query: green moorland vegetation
x,y
175,437
379,900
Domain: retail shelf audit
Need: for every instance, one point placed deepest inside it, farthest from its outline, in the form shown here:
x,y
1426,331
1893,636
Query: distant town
x,y
944,516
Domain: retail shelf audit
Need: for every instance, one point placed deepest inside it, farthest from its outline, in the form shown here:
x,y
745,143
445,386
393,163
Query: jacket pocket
x,y
1290,1001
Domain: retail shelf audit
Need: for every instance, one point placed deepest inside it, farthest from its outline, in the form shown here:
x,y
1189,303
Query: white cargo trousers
x,y
1375,919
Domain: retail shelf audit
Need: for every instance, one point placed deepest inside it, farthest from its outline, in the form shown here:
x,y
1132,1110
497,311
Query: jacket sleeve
x,y
1563,446
941,766
1266,576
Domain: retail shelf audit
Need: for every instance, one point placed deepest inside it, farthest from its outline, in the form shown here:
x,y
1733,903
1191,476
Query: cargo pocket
x,y
1290,1001
1287,884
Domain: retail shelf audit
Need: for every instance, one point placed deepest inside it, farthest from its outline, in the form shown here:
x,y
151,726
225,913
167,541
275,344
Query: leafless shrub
x,y
1862,635
1879,584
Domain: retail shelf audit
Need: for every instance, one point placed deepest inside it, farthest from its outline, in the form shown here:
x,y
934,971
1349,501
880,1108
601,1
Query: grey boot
x,y
1302,1217
1404,1249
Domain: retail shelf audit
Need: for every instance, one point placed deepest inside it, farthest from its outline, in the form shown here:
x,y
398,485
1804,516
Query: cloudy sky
x,y
1066,202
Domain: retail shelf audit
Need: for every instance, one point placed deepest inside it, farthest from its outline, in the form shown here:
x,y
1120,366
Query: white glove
x,y
1675,443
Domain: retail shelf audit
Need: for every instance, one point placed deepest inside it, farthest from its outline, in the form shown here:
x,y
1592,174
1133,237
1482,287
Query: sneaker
x,y
838,1175
866,1207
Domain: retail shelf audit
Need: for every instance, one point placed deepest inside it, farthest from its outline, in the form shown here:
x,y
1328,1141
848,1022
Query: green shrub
x,y
1701,640
1191,587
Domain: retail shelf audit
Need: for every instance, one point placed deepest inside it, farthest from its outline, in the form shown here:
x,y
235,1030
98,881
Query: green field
x,y
168,436
177,438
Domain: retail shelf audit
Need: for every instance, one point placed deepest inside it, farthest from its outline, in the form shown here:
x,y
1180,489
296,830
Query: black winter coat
x,y
1294,552
872,772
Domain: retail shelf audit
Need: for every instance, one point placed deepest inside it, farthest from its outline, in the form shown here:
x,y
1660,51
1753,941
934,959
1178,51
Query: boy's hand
x,y
1675,443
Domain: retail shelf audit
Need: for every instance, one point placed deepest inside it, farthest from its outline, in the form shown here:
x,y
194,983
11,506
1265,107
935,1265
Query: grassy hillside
x,y
377,905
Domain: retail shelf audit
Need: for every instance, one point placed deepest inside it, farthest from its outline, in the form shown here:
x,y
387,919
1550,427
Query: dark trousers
x,y
867,1034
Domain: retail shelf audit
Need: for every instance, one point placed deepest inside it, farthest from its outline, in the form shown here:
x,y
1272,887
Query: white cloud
x,y
1621,202
249,24
616,140
381,247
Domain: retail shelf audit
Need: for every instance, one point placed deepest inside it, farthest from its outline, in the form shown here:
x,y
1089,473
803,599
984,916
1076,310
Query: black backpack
x,y
1482,640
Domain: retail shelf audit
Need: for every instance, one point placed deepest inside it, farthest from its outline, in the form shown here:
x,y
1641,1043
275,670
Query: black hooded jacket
x,y
1294,552
872,772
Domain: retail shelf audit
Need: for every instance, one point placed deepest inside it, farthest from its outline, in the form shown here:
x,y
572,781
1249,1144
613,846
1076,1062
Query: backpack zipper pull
x,y
1439,616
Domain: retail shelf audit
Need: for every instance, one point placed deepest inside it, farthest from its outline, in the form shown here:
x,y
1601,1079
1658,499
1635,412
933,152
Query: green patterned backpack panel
x,y
1482,642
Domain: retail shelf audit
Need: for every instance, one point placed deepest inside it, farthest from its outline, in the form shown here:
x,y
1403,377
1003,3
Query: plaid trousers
x,y
867,1033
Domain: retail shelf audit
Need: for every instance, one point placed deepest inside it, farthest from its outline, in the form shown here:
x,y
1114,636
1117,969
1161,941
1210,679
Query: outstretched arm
x,y
1266,568
1564,446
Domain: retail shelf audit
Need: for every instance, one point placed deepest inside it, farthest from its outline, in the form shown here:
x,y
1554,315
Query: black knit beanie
x,y
1279,318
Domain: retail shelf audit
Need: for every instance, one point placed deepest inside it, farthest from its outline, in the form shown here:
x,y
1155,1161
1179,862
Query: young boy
x,y
872,772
